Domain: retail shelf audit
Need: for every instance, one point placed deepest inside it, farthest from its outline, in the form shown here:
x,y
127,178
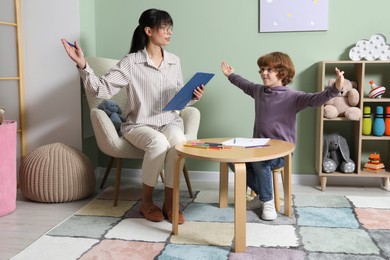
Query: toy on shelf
x,y
387,121
336,155
374,163
378,127
345,104
376,91
367,121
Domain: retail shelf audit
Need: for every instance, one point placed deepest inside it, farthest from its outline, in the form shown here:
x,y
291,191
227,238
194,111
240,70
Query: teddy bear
x,y
114,112
345,103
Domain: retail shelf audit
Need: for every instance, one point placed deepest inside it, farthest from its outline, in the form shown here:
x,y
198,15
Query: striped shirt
x,y
148,88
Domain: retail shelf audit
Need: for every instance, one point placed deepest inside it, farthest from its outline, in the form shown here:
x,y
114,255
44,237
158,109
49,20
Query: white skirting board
x,y
134,176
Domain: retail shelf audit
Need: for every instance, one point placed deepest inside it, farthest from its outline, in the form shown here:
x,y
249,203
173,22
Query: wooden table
x,y
237,156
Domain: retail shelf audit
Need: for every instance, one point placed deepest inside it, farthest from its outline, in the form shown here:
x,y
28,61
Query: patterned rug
x,y
323,227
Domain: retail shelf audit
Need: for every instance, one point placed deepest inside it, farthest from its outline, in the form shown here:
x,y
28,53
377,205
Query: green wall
x,y
207,32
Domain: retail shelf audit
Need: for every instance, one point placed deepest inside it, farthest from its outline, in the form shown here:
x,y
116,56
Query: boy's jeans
x,y
259,177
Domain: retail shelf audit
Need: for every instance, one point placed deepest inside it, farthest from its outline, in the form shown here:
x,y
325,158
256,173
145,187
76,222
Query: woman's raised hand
x,y
75,53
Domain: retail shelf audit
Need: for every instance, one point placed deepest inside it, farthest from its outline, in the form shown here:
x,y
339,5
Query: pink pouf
x,y
7,167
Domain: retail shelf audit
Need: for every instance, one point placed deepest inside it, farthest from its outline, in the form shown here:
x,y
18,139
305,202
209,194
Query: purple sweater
x,y
276,108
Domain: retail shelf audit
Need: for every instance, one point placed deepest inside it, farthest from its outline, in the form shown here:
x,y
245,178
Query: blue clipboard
x,y
180,100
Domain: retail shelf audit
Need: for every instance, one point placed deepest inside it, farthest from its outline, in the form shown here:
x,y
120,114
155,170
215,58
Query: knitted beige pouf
x,y
56,173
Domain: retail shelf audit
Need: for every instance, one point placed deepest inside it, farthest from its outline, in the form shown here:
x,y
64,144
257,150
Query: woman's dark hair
x,y
152,18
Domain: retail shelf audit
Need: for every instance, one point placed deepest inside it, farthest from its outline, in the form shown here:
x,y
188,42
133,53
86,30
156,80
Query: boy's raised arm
x,y
226,69
339,79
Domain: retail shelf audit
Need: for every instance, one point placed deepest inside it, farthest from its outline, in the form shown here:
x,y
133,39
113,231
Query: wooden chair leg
x,y
275,176
107,172
117,181
187,178
162,176
281,171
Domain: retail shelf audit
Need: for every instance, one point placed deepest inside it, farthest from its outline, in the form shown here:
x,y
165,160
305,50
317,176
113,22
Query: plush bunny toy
x,y
114,112
336,155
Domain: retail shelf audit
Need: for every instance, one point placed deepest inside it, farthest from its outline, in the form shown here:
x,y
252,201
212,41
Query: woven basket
x,y
56,173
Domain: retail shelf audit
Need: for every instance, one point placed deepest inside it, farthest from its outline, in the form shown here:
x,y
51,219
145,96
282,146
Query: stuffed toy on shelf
x,y
344,105
336,155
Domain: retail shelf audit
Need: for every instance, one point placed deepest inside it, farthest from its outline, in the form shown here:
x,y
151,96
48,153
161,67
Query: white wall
x,y
52,86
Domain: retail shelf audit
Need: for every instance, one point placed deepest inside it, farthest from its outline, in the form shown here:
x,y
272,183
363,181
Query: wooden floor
x,y
31,220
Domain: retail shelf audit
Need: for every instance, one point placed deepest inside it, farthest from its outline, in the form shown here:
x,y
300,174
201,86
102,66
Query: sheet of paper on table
x,y
247,142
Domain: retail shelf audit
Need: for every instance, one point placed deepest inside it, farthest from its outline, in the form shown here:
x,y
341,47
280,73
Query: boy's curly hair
x,y
281,63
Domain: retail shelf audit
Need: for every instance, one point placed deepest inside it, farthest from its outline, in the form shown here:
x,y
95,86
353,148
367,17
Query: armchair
x,y
111,144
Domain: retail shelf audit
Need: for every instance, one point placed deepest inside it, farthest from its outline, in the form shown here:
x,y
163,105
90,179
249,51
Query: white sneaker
x,y
254,204
269,211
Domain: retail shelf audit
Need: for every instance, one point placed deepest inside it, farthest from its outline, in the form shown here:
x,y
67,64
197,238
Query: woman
x,y
152,76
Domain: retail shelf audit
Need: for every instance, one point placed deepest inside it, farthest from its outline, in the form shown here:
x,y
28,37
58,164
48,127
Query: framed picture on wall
x,y
293,16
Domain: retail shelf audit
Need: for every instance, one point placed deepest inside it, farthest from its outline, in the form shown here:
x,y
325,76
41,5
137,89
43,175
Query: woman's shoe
x,y
168,215
153,214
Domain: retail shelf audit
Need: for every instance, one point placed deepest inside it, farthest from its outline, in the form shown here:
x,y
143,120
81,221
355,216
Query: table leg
x,y
176,191
287,185
240,207
223,185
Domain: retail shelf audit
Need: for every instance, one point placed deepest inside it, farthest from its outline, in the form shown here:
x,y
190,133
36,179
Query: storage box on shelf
x,y
361,145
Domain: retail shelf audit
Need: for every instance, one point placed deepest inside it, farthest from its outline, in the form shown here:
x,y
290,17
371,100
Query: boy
x,y
276,106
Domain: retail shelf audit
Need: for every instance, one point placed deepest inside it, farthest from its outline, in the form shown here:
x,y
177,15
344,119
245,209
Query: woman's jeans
x,y
259,177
